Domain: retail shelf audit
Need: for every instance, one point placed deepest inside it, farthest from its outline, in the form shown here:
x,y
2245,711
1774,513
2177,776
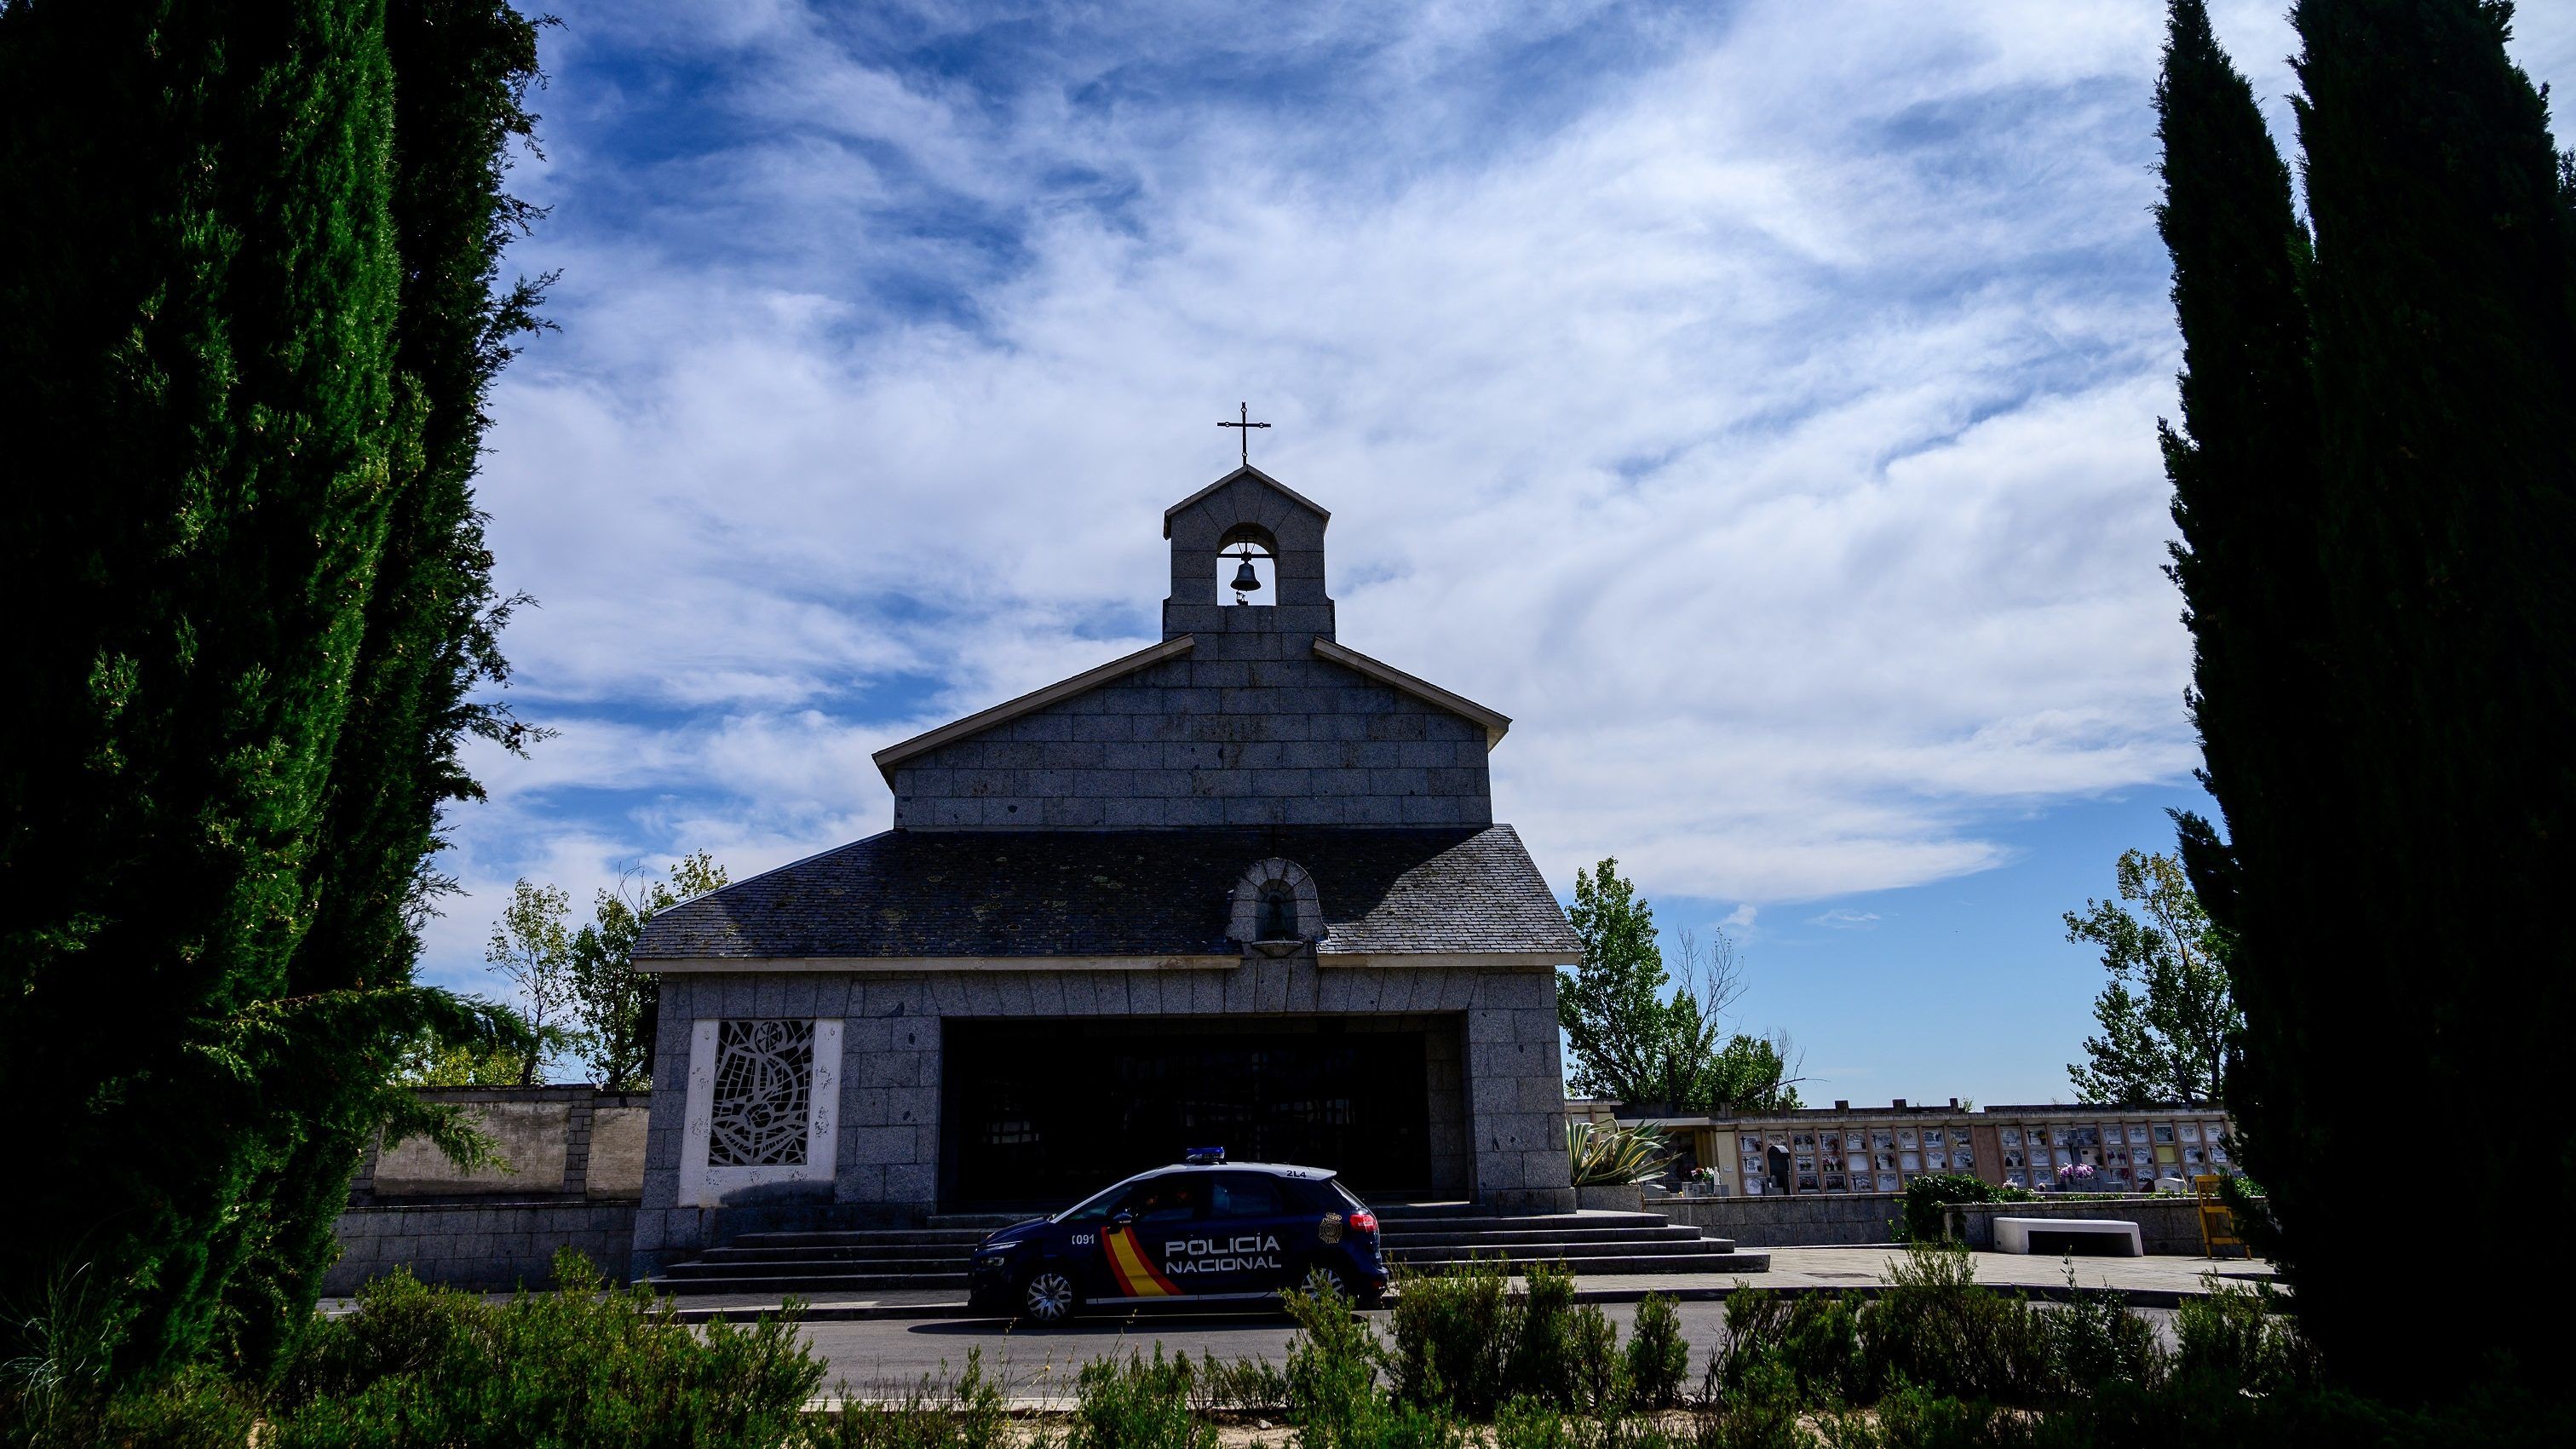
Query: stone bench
x,y
2052,1236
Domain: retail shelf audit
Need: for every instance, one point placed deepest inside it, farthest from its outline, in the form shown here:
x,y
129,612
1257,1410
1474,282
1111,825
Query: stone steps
x,y
733,1267
1590,1267
850,1237
1590,1243
806,1282
1501,1237
1576,1222
1546,1250
839,1253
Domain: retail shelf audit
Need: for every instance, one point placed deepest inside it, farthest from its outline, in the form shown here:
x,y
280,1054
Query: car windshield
x,y
1093,1208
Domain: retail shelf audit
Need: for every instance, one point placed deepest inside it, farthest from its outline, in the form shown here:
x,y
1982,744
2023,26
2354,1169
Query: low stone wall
x,y
574,1171
568,1140
490,1246
2166,1224
1811,1221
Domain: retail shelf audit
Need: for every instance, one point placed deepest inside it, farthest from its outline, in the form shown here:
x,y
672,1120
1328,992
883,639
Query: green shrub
x,y
1802,1347
1596,1377
402,1329
1332,1386
1408,1426
1658,1356
1759,1410
2096,1339
2239,1336
1933,1326
2201,1411
965,1413
1332,1389
1527,1423
585,1365
1912,1417
194,1409
1926,1197
1464,1344
1540,1363
1138,1404
1242,1385
1453,1331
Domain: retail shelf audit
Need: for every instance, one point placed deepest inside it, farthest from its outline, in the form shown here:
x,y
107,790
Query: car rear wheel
x,y
1322,1276
1047,1297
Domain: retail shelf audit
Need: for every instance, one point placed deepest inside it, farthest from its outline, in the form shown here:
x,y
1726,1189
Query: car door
x,y
1255,1239
1155,1213
1074,1244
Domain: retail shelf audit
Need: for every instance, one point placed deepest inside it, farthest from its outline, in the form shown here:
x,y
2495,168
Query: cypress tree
x,y
200,258
2382,680
2247,488
209,401
2445,317
461,71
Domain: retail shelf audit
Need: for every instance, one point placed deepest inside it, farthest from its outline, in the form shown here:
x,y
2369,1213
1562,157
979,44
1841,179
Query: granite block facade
x,y
1249,727
1301,741
1492,1068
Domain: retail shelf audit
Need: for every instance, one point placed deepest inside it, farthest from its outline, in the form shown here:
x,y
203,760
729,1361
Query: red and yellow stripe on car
x,y
1133,1271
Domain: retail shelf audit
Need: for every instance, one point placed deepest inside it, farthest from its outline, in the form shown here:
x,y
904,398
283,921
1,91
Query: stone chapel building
x,y
1243,888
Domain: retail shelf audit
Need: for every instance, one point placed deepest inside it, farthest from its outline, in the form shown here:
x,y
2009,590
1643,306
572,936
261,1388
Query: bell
x,y
1245,580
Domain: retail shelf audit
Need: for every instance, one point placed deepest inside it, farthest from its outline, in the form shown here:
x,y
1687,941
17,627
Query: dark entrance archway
x,y
1035,1114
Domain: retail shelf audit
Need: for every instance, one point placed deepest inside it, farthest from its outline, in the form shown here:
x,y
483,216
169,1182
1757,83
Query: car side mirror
x,y
1123,1219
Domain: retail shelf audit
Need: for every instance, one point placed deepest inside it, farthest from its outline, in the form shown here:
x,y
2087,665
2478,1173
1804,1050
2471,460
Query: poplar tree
x,y
229,560
2383,683
1629,1040
2169,1027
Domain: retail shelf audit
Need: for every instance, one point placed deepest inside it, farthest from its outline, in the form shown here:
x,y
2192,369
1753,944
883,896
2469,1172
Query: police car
x,y
1205,1230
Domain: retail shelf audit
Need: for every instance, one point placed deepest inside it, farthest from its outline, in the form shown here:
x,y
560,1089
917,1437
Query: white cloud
x,y
1770,432
1845,919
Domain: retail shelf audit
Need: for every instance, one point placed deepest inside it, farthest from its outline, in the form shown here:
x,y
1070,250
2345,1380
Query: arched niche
x,y
1274,896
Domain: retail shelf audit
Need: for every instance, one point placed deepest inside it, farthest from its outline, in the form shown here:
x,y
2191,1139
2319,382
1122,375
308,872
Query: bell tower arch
x,y
1209,531
1247,566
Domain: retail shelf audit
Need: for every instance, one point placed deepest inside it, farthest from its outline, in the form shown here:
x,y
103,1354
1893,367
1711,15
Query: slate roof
x,y
988,893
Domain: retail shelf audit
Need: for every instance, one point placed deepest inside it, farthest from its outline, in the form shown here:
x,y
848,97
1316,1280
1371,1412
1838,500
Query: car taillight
x,y
1363,1222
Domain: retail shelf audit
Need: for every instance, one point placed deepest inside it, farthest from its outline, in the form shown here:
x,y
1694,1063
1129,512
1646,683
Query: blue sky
x,y
1755,401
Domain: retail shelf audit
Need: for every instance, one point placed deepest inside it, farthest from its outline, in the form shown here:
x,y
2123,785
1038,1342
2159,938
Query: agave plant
x,y
1604,1155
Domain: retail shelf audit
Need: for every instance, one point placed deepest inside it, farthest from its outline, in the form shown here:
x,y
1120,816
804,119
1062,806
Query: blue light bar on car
x,y
1203,1156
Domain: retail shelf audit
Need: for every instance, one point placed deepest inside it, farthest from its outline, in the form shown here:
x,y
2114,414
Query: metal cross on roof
x,y
1244,412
